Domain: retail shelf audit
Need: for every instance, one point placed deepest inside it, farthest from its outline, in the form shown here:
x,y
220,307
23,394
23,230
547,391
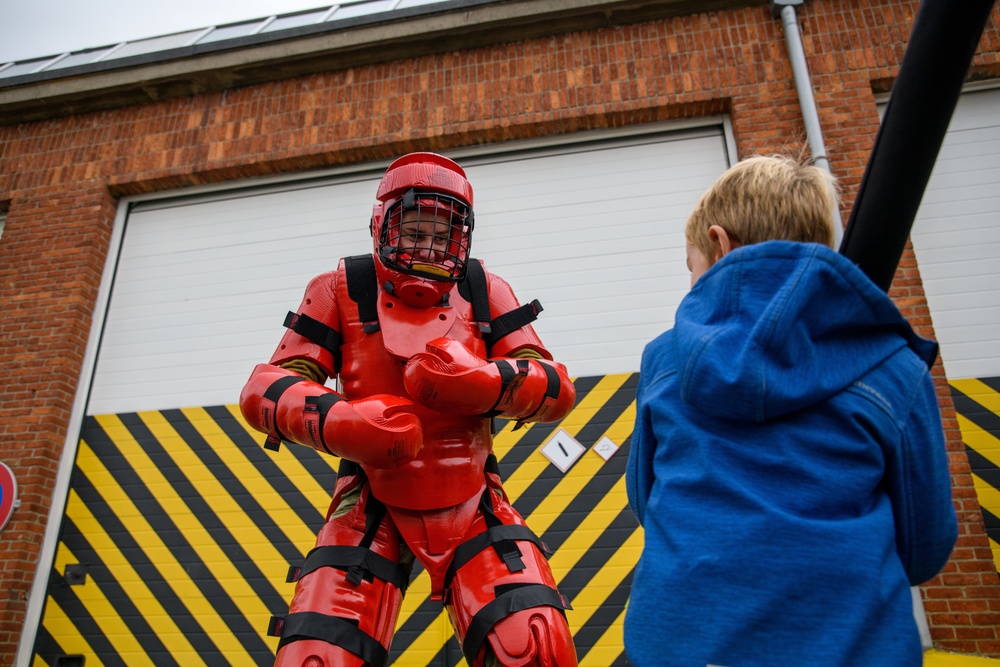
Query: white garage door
x,y
594,230
956,237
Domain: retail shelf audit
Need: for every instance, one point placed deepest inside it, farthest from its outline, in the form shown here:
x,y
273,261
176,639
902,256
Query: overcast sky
x,y
33,28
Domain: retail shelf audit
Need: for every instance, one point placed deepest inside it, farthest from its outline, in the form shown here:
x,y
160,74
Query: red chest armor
x,y
449,467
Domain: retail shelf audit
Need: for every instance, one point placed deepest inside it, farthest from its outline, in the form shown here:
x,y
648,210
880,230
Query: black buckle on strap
x,y
275,625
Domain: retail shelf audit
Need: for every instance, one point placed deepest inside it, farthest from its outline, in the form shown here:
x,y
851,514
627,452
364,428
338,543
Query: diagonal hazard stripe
x,y
304,471
423,649
182,515
239,513
122,559
608,649
46,648
76,604
615,398
518,481
985,443
209,520
174,572
565,495
977,404
989,497
120,637
595,629
253,494
616,569
592,528
59,626
512,447
981,392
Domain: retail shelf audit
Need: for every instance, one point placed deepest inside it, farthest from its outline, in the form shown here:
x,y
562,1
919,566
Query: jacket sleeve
x,y
919,483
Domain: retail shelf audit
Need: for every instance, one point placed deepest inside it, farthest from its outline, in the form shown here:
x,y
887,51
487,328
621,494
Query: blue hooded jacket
x,y
788,467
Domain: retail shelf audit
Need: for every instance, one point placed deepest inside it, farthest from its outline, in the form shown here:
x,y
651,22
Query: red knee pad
x,y
501,595
538,636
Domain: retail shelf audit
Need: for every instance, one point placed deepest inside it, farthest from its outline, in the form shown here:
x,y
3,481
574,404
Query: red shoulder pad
x,y
319,309
502,300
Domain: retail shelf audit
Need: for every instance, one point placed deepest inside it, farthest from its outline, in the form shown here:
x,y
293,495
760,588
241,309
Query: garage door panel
x,y
594,227
945,260
940,215
956,239
967,186
213,223
974,326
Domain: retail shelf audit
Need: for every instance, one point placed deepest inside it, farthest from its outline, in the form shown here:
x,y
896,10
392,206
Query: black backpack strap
x,y
362,287
473,289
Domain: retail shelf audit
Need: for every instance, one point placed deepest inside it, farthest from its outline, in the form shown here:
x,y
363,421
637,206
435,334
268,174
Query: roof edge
x,y
464,24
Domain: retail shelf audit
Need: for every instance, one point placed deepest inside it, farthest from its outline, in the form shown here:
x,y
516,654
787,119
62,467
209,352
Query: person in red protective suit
x,y
428,347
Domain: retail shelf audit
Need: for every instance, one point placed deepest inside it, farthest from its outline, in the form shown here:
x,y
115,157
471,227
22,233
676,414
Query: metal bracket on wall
x,y
69,661
75,575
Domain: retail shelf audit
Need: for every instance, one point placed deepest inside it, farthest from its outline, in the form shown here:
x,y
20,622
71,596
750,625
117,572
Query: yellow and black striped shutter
x,y
977,403
179,530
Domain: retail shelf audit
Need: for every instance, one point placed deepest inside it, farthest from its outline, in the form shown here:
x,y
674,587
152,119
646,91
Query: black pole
x,y
943,41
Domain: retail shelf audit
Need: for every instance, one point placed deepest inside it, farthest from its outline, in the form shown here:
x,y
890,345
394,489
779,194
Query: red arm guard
x,y
319,304
449,378
378,431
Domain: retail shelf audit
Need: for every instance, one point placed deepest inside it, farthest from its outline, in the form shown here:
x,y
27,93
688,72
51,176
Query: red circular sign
x,y
8,494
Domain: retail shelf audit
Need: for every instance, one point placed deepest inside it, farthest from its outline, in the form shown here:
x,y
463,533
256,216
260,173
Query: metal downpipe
x,y
785,10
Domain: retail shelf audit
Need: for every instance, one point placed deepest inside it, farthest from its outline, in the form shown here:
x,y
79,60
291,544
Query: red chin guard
x,y
421,293
412,290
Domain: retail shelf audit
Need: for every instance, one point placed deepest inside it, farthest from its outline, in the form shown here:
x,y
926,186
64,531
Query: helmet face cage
x,y
427,234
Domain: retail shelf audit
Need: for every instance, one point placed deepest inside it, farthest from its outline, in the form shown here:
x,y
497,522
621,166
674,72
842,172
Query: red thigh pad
x,y
502,596
347,597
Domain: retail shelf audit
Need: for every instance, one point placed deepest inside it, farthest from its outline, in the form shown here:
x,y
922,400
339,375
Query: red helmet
x,y
422,222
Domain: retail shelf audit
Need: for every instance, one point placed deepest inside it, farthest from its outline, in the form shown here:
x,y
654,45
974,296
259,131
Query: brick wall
x,y
60,181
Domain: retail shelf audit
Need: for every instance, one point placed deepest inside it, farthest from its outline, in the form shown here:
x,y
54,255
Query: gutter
x,y
785,10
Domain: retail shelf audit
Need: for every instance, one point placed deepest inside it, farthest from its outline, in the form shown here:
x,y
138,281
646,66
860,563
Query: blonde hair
x,y
766,198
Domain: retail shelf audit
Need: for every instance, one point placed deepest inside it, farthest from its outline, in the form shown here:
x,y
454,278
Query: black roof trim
x,y
231,44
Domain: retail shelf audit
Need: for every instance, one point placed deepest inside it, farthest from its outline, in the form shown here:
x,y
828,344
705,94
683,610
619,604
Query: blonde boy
x,y
787,463
760,199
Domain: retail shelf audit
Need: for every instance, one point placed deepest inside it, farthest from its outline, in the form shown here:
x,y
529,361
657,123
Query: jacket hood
x,y
780,326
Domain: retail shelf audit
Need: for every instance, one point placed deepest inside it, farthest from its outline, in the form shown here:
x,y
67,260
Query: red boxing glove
x,y
448,377
379,431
